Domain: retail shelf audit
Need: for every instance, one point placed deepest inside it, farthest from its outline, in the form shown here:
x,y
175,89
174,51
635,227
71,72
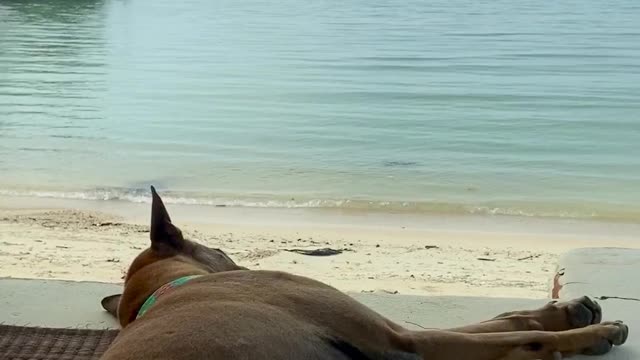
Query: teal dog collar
x,y
166,288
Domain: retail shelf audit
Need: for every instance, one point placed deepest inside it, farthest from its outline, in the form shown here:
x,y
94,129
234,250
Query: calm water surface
x,y
507,107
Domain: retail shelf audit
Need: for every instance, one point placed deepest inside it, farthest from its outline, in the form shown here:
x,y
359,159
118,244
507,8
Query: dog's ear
x,y
164,235
110,303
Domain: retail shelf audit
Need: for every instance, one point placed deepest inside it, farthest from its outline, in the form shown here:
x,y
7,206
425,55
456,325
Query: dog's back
x,y
255,315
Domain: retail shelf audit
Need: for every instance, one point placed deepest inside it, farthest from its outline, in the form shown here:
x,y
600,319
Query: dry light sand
x,y
394,253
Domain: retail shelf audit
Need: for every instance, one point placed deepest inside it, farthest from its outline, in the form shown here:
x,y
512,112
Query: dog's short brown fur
x,y
234,313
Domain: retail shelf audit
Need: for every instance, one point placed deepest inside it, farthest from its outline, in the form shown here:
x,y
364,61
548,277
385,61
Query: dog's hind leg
x,y
553,316
521,345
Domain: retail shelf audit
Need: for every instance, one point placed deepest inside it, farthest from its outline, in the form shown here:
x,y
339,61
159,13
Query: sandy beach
x,y
498,257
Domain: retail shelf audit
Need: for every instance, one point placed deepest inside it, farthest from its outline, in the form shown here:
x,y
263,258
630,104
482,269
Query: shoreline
x,y
419,255
589,212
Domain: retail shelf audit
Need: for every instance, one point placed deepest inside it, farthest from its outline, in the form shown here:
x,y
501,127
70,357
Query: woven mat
x,y
36,343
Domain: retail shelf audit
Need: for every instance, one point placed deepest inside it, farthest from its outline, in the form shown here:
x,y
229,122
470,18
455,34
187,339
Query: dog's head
x,y
167,241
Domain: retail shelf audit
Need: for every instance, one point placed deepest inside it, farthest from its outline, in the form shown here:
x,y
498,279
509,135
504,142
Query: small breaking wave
x,y
140,195
144,196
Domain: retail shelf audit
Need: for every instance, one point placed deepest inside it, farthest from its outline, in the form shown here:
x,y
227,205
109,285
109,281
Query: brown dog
x,y
183,300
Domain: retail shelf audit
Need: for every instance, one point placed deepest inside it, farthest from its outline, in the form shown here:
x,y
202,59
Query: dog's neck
x,y
147,280
163,290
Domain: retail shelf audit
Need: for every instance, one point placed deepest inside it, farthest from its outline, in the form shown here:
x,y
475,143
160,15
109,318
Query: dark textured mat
x,y
37,343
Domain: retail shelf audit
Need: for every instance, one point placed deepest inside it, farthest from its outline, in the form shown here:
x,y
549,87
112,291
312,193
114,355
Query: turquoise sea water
x,y
458,106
